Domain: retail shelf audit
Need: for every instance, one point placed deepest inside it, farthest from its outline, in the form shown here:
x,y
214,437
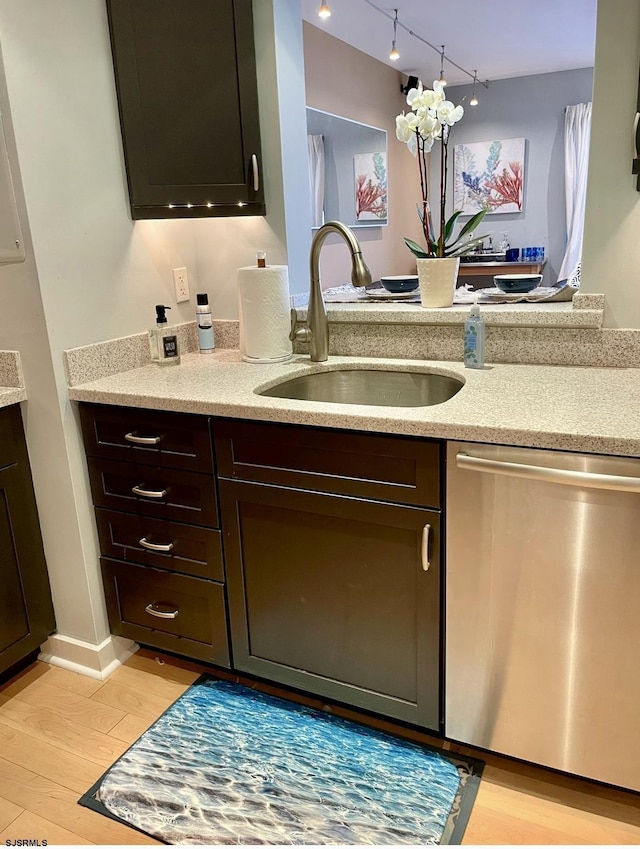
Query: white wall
x,y
91,273
611,253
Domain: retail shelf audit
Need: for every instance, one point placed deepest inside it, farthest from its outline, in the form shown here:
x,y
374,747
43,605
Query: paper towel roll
x,y
264,314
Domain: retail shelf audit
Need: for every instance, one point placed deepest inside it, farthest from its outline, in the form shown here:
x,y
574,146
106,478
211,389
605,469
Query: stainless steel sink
x,y
377,387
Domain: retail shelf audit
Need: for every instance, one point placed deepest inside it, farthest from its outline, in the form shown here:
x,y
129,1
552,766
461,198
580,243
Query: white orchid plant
x,y
431,118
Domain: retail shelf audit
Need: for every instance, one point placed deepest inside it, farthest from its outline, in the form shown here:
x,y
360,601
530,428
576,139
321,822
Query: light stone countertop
x,y
554,315
562,407
12,389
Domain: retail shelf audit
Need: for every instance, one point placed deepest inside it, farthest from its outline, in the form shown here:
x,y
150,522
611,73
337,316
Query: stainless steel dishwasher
x,y
543,608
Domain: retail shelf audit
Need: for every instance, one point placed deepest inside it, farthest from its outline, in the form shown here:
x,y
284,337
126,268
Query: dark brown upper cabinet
x,y
187,94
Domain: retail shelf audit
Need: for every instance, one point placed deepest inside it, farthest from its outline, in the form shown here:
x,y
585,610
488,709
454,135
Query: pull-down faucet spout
x,y
316,331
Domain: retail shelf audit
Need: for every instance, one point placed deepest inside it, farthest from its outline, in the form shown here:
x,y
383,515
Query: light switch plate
x,y
181,283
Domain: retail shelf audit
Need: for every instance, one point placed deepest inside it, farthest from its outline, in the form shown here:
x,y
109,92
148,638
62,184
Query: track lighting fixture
x,y
412,81
442,76
474,99
324,11
394,55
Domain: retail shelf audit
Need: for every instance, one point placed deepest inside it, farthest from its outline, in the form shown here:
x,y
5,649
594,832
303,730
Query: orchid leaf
x,y
448,229
467,247
415,249
471,224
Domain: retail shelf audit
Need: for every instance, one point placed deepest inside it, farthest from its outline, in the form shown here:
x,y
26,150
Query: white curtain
x,y
316,179
577,131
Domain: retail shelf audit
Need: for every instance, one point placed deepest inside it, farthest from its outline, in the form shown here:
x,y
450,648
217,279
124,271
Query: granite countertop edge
x,y
12,388
569,408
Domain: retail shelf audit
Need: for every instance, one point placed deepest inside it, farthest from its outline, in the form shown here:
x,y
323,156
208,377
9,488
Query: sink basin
x,y
369,386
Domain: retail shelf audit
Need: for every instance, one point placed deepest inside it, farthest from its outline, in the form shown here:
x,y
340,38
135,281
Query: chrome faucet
x,y
315,330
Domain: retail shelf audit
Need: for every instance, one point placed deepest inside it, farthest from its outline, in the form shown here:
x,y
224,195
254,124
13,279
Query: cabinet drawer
x,y
188,549
157,438
172,494
194,621
383,468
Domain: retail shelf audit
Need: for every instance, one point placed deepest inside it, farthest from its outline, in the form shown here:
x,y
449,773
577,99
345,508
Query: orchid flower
x,y
430,119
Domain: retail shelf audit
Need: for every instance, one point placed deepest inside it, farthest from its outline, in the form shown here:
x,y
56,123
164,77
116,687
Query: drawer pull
x,y
155,609
148,493
142,440
155,546
426,562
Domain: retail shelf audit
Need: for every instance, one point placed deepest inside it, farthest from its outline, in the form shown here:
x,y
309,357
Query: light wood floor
x,y
59,731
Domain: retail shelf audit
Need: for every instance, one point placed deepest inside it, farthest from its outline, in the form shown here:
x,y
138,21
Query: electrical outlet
x,y
181,282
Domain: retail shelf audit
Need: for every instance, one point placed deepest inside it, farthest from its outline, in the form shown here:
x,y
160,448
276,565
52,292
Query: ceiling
x,y
499,38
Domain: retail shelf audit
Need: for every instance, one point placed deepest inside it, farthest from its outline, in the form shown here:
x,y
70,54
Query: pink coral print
x,y
507,187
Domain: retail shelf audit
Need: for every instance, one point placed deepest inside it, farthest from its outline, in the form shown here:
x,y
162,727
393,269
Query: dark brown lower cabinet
x,y
26,610
175,612
336,596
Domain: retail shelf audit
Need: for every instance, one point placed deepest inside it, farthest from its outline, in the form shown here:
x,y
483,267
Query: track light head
x,y
324,11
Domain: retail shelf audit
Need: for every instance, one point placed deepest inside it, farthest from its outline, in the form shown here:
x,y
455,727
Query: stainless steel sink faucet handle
x,y
316,329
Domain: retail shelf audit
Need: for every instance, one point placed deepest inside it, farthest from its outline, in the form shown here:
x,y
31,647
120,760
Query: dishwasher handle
x,y
548,474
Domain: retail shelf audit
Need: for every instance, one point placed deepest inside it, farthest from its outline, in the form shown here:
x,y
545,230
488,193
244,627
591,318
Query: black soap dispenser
x,y
163,339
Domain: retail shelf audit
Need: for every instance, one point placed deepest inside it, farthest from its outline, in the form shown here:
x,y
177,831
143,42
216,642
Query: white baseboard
x,y
95,661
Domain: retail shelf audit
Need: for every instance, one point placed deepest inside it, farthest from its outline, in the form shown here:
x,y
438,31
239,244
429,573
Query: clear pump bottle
x,y
163,340
474,335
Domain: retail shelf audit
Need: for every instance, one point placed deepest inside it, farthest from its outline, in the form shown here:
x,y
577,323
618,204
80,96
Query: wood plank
x,y
63,678
8,812
165,666
65,703
30,826
60,732
150,682
571,791
60,805
544,814
131,700
40,757
130,728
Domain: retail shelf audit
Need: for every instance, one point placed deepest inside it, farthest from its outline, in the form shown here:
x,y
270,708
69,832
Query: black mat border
x,y
454,827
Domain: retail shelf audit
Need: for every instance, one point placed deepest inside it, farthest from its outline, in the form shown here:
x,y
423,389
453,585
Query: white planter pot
x,y
437,277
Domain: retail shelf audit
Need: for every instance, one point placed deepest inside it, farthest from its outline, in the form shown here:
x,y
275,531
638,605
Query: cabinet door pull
x,y
155,546
148,493
154,610
426,562
142,440
256,172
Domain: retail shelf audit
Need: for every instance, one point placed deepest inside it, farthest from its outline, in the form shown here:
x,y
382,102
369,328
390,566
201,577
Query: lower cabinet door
x,y
179,613
26,610
336,596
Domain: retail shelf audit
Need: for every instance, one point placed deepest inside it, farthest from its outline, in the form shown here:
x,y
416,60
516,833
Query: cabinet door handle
x,y
142,440
154,609
148,493
154,546
426,562
256,172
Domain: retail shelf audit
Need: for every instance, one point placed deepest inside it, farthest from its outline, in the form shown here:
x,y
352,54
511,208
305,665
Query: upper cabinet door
x,y
187,94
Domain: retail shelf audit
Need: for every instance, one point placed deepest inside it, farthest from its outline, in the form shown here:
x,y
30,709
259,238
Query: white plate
x,y
383,295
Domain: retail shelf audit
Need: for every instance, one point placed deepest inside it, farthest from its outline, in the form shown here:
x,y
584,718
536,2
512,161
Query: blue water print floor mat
x,y
227,764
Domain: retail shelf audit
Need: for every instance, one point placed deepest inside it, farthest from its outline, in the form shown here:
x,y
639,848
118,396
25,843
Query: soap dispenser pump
x,y
474,334
163,339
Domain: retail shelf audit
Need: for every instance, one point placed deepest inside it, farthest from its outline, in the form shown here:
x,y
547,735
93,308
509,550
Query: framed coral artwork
x,y
489,175
370,171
